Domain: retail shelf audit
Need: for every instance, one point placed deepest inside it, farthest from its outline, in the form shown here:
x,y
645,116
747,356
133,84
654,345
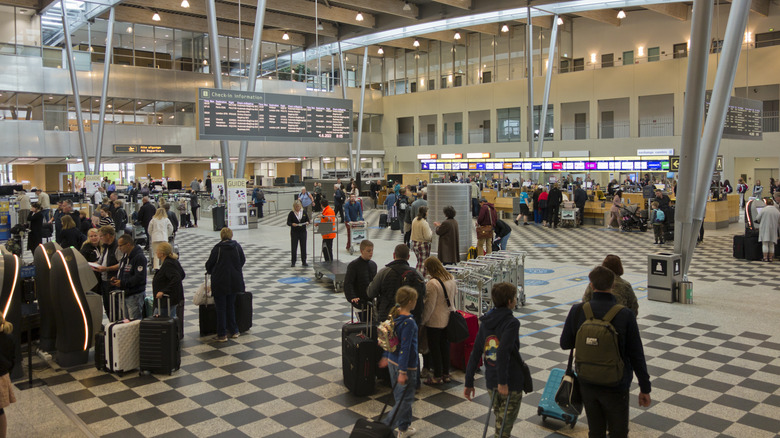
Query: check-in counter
x,y
720,214
504,205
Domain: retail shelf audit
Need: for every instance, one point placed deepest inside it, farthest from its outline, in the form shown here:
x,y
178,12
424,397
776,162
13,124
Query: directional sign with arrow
x,y
674,163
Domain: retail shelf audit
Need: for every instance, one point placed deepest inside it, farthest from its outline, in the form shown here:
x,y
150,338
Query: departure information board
x,y
147,149
243,115
743,119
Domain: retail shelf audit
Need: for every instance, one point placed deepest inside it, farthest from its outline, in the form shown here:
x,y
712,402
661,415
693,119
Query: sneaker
x,y
408,432
218,339
235,335
517,222
305,264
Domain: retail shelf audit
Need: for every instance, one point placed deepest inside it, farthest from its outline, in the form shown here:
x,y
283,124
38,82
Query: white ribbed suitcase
x,y
122,340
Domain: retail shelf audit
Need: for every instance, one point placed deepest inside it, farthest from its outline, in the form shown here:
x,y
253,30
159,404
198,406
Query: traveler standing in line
x,y
131,277
360,273
537,209
449,238
403,362
70,235
195,185
105,217
44,200
338,201
145,215
306,201
109,258
769,223
194,206
353,212
85,223
120,218
7,360
297,221
373,190
24,206
387,281
580,199
436,315
742,189
543,195
328,216
554,199
160,229
208,184
225,265
498,341
168,281
402,204
91,250
35,236
614,212
421,238
758,190
487,218
606,404
475,195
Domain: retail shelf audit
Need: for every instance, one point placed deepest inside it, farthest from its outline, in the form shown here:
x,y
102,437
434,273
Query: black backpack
x,y
410,277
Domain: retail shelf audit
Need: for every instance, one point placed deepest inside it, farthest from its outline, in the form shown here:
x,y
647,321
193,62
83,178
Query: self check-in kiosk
x,y
42,259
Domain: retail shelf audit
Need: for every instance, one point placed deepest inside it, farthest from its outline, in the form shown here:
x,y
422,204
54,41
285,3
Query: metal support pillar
x,y
254,59
693,115
547,80
74,83
216,66
356,169
104,89
529,60
343,77
716,116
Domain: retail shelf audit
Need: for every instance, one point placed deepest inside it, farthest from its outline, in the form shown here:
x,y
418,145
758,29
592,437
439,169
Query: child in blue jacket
x,y
403,362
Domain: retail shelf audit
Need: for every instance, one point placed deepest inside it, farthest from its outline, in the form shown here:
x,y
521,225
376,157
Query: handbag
x,y
203,295
568,397
486,231
457,329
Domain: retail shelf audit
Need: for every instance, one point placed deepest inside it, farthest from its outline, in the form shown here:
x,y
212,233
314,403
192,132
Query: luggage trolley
x,y
359,233
334,270
512,265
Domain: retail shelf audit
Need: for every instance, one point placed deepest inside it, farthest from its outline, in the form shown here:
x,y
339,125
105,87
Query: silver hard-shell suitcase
x,y
122,339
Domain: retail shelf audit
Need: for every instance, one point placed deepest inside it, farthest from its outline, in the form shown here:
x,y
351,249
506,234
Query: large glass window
x,y
548,122
502,57
487,55
434,60
447,59
508,124
517,61
474,68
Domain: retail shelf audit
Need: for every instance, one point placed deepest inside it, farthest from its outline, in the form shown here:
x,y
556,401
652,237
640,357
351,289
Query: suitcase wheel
x,y
318,275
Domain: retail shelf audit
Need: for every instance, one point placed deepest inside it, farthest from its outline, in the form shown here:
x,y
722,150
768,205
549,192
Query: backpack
x,y
413,279
597,351
659,216
386,336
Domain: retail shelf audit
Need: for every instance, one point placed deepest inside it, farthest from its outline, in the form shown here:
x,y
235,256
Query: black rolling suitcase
x,y
159,350
753,249
383,220
739,247
207,319
100,350
244,311
218,218
395,224
360,354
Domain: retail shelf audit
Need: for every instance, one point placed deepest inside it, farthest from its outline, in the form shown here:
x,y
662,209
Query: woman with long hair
x,y
70,235
421,238
614,212
441,293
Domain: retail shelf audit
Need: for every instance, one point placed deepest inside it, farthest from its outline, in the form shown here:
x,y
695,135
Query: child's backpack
x,y
386,336
597,351
659,216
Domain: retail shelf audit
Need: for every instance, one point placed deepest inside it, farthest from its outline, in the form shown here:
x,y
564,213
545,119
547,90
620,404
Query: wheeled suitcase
x,y
160,351
121,339
395,224
207,315
360,354
218,218
100,349
547,406
207,319
383,220
739,247
753,249
460,352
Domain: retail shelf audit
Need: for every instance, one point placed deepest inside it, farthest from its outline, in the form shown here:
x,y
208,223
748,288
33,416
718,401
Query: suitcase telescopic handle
x,y
159,305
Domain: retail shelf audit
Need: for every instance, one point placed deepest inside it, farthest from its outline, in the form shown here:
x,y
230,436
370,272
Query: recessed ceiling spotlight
x,y
621,14
505,28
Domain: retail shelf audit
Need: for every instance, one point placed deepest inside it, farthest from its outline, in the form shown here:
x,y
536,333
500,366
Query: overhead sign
x,y
426,156
147,149
244,115
674,163
478,155
650,152
452,156
744,119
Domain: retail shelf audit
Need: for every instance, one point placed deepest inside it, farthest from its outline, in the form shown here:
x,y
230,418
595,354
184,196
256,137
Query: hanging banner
x,y
237,211
218,188
92,183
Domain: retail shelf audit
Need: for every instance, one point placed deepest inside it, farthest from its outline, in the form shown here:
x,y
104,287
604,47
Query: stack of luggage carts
x,y
476,277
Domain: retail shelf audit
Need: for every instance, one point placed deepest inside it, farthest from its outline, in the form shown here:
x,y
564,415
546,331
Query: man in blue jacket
x,y
607,406
498,340
132,276
353,212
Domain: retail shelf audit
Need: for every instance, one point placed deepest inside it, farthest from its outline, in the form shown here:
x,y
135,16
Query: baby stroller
x,y
14,244
632,218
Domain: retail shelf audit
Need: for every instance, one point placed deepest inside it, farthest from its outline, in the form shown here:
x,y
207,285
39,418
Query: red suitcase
x,y
461,351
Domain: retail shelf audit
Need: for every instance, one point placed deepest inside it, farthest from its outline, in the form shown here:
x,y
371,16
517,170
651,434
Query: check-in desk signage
x,y
144,149
660,164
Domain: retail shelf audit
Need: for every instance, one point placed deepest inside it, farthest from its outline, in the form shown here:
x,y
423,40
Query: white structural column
x,y
529,60
356,170
716,116
343,77
547,80
254,59
216,67
104,90
74,83
693,116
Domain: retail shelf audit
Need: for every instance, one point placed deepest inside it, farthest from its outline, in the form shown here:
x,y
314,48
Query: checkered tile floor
x,y
283,378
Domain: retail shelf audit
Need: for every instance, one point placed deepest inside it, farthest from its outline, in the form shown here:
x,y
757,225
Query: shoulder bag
x,y
568,397
457,329
486,231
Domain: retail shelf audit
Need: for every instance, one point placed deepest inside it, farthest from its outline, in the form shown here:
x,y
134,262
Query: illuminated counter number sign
x,y
147,149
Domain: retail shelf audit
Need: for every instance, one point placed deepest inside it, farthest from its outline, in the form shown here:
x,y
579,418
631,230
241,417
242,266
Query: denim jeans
x,y
404,397
226,314
503,242
134,306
